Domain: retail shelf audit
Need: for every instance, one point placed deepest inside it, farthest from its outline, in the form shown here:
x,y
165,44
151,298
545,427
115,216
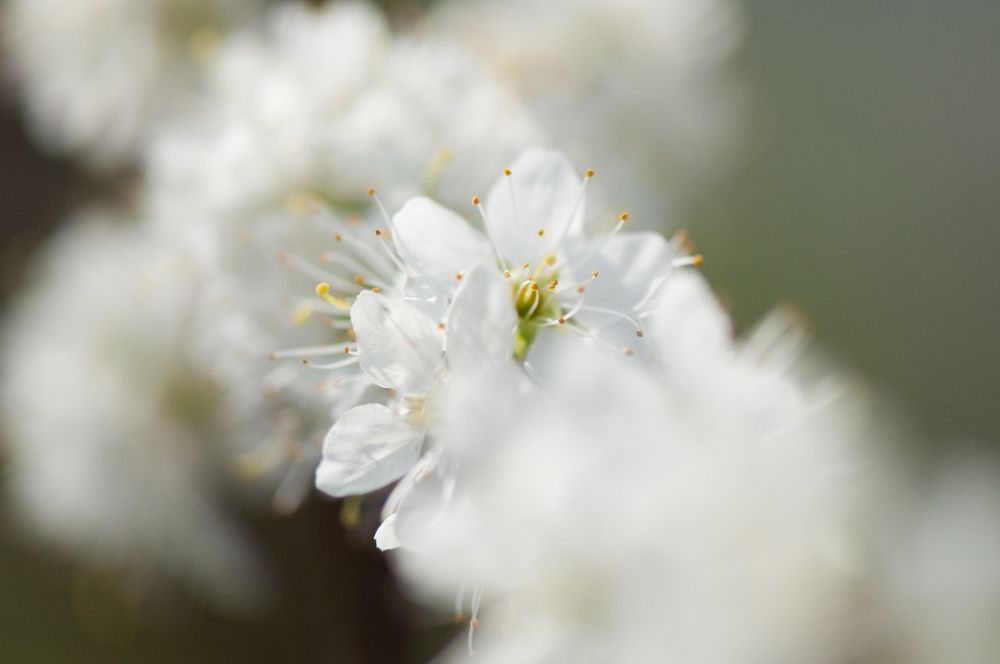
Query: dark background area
x,y
867,192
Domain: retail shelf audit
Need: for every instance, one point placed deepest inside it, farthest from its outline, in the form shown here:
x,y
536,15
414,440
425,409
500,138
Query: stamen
x,y
595,336
520,290
536,300
339,364
369,254
603,240
513,197
580,288
576,206
389,251
489,231
617,314
548,261
687,261
347,262
323,290
477,600
312,351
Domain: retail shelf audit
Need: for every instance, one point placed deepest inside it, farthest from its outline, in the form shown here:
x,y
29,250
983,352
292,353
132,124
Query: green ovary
x,y
533,307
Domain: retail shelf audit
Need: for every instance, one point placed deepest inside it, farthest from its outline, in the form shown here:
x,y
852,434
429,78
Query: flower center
x,y
535,302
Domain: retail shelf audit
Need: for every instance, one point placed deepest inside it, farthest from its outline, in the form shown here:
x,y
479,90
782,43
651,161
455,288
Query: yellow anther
x,y
525,266
323,290
458,276
623,216
371,191
338,237
541,232
475,200
593,275
550,260
534,286
638,333
506,274
553,284
359,280
590,172
506,172
697,259
440,325
347,350
301,314
376,289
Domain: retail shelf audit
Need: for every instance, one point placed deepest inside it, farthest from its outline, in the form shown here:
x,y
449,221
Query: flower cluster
x,y
354,262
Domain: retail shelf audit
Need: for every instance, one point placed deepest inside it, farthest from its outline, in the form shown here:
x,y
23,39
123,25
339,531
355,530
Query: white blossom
x,y
110,421
621,514
96,74
270,181
934,584
641,87
489,312
561,280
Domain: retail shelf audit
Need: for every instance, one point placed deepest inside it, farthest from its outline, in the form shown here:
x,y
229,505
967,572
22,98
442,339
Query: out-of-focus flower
x,y
638,86
110,420
622,514
96,74
270,181
934,590
328,102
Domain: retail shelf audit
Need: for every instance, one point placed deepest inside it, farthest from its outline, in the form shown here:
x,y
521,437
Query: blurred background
x,y
866,191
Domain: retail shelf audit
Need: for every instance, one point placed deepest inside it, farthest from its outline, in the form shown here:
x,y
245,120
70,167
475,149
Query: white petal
x,y
386,538
481,322
398,345
435,241
423,502
547,193
629,265
366,449
690,329
406,523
